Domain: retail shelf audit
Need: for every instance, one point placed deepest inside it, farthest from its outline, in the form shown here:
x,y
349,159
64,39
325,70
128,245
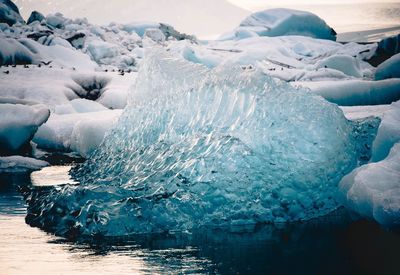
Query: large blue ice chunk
x,y
198,147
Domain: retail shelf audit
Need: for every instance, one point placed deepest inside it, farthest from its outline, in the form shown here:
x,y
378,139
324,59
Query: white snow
x,y
389,69
373,190
17,164
18,124
279,22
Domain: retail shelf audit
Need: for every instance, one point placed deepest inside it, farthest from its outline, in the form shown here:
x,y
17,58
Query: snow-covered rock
x,y
389,69
279,22
28,51
100,50
35,16
356,92
56,20
13,52
348,65
67,132
89,133
9,13
19,124
373,190
388,133
17,164
154,34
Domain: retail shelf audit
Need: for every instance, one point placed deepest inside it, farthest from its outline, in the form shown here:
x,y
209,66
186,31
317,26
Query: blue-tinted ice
x,y
198,147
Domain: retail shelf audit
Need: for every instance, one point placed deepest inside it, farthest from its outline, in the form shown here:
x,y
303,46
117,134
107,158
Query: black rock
x,y
9,13
35,16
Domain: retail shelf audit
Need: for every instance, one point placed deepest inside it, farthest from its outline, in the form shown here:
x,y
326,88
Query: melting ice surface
x,y
198,147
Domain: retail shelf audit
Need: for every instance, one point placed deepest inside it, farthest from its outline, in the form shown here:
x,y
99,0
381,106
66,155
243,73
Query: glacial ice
x,y
220,147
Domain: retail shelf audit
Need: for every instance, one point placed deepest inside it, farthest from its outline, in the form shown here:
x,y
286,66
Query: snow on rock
x,y
389,69
140,27
56,20
18,125
356,92
17,164
279,22
100,50
9,13
89,133
388,133
373,190
62,132
28,51
155,34
35,16
13,52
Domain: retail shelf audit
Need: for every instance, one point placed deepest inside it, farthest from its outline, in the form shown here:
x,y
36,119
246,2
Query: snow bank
x,y
389,69
388,133
18,125
279,22
15,164
373,190
356,92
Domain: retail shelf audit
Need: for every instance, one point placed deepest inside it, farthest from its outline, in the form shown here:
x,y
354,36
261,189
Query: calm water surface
x,y
337,244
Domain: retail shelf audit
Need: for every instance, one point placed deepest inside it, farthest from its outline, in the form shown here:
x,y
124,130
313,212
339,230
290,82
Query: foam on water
x,y
198,147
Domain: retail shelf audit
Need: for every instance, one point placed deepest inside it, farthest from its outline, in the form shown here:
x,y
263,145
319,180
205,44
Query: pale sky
x,y
257,4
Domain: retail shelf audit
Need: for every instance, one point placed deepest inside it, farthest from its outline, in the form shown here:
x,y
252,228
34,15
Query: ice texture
x,y
198,147
373,190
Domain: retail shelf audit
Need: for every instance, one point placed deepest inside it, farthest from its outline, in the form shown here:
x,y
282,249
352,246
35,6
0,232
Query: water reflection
x,y
336,244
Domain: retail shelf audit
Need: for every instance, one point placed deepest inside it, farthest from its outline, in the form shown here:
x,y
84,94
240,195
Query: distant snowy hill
x,y
199,17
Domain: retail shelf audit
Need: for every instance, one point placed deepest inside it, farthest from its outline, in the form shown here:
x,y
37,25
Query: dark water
x,y
337,244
